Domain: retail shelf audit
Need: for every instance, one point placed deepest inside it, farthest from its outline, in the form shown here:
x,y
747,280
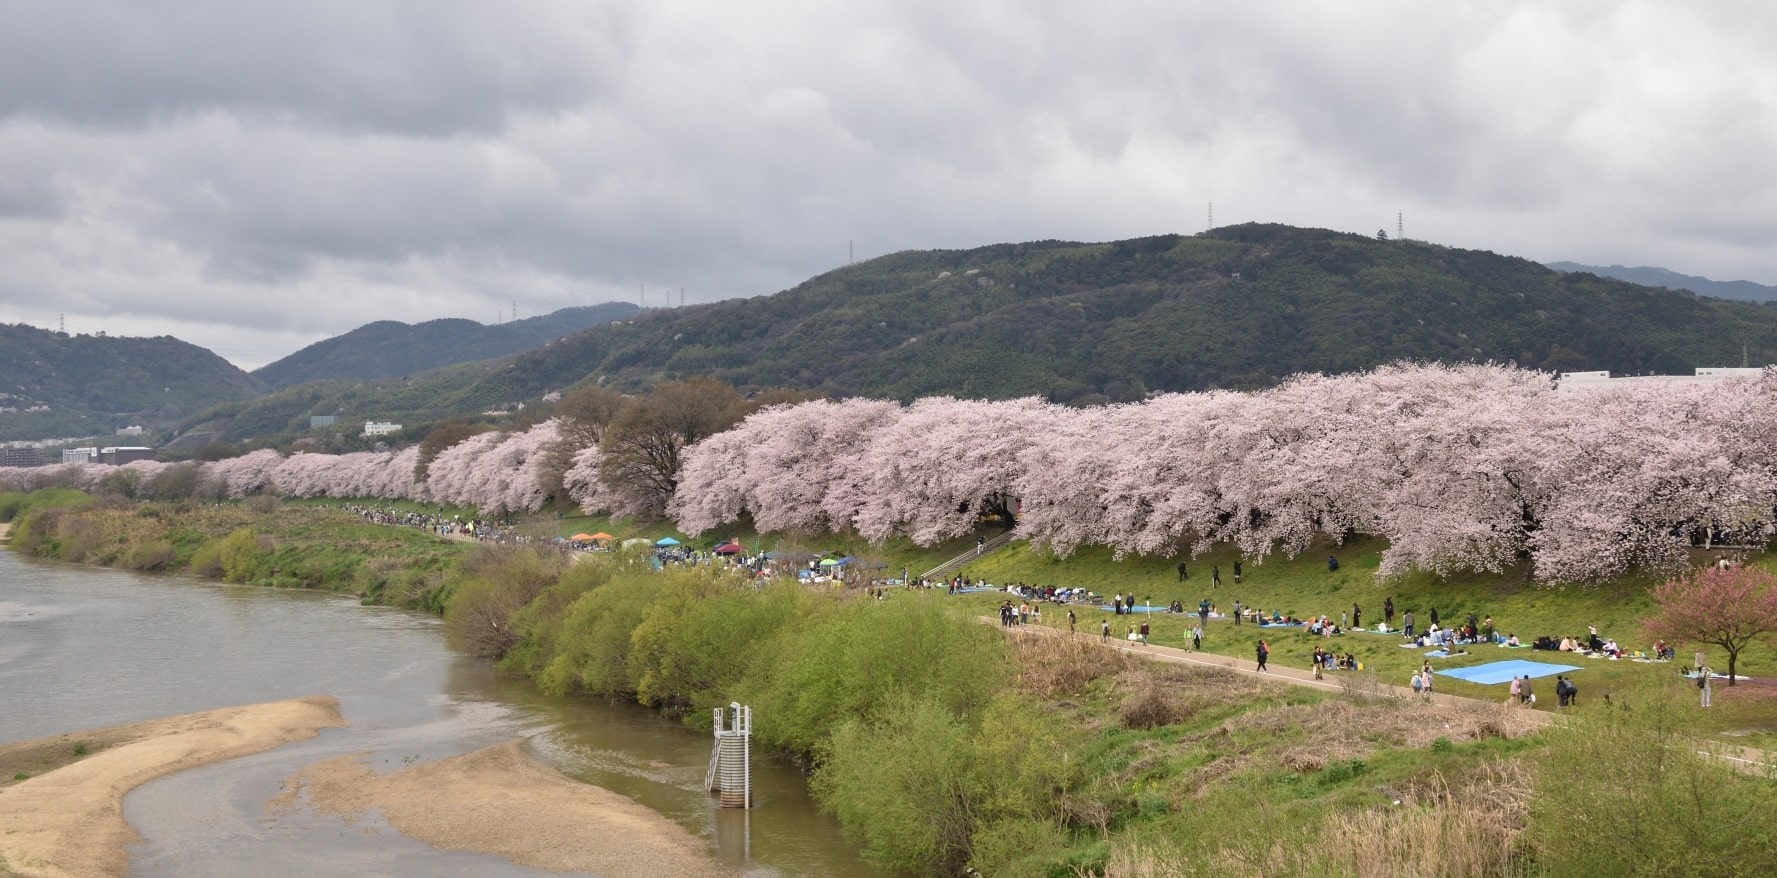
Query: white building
x,y
1603,380
80,455
380,428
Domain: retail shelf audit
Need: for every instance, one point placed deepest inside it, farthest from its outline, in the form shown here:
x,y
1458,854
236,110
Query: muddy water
x,y
83,647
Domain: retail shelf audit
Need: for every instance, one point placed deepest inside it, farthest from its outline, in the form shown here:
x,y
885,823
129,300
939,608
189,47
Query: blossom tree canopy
x,y
1727,608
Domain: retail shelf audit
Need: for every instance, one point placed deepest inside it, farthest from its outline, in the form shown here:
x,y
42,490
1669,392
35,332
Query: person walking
x,y
1527,693
1104,629
1144,632
1264,653
1388,611
1237,611
1357,616
1407,624
1425,676
1181,571
1197,638
1203,611
1215,576
1236,571
1318,656
1070,622
1704,688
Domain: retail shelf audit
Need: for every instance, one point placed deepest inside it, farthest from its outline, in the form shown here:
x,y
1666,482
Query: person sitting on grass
x,y
1567,644
1512,640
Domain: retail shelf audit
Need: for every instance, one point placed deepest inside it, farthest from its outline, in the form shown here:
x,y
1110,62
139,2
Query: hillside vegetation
x,y
1240,307
391,349
93,384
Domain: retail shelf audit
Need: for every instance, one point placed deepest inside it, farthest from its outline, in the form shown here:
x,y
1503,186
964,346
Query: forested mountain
x,y
1240,307
390,349
1651,276
57,385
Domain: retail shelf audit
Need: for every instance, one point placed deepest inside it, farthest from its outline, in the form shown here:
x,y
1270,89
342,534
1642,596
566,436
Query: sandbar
x,y
68,821
498,800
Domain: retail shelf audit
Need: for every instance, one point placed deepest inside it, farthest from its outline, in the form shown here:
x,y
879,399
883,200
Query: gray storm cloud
x,y
252,176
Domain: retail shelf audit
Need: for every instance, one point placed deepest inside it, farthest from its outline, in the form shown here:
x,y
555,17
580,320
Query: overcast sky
x,y
255,176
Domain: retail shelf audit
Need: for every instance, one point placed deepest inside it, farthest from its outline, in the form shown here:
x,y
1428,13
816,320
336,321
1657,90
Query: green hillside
x,y
58,385
390,349
1240,307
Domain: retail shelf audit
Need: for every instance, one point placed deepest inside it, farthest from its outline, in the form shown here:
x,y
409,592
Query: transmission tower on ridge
x,y
1212,215
1400,227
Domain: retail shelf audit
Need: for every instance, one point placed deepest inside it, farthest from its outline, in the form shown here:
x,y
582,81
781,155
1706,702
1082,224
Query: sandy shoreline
x,y
498,800
68,822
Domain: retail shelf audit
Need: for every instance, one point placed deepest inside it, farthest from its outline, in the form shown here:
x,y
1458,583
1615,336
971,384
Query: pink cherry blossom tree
x,y
793,467
1729,608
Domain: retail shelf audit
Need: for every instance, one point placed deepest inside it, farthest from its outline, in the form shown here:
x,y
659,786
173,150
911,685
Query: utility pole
x,y
851,252
1212,216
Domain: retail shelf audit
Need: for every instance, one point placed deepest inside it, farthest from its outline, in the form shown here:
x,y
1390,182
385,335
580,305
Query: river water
x,y
85,647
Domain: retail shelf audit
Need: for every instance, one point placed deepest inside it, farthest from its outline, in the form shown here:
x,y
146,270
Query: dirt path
x,y
500,801
68,821
1743,758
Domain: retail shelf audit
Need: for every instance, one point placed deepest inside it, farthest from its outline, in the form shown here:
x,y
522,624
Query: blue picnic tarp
x,y
1503,672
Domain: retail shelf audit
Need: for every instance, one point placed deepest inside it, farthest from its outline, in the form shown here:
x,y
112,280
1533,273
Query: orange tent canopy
x,y
601,535
581,538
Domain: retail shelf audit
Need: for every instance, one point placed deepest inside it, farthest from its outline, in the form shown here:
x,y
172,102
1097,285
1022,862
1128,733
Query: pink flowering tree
x,y
793,467
945,463
1729,608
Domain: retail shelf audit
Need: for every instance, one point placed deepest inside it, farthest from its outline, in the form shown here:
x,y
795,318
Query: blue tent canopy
x,y
666,541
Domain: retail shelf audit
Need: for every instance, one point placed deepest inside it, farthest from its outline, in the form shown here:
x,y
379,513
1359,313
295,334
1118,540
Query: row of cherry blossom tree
x,y
492,471
1457,467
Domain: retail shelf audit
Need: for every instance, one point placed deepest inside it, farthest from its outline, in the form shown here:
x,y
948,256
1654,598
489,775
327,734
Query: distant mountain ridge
x,y
57,385
391,349
1238,307
1651,276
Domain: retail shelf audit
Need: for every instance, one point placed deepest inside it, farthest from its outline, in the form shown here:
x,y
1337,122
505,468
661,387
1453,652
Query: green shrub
x,y
154,554
592,654
492,586
705,633
540,624
903,785
242,555
206,560
854,661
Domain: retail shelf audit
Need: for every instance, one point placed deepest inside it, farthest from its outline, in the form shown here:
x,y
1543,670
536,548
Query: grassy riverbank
x,y
1303,586
261,542
940,742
